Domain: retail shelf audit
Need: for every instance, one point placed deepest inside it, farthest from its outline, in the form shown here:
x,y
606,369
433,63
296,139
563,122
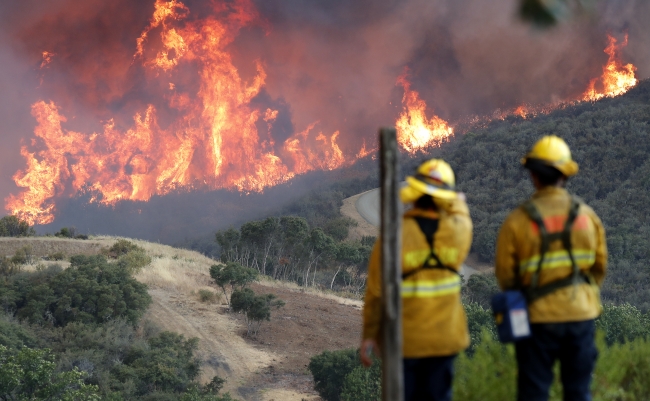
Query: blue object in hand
x,y
511,315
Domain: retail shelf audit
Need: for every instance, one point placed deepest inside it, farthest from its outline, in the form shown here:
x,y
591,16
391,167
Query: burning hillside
x,y
203,119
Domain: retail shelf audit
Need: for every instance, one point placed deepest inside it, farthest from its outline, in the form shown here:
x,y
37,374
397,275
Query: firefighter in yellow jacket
x,y
553,249
436,237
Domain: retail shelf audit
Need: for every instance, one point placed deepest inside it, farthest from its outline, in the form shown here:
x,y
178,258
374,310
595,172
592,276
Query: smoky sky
x,y
331,61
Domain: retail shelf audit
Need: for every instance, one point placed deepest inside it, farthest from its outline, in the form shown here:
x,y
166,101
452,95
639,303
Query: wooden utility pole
x,y
391,268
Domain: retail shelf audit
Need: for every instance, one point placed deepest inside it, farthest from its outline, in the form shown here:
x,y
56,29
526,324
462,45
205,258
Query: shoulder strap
x,y
429,227
545,239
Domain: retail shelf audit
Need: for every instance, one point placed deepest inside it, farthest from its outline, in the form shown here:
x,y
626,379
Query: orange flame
x,y
47,59
414,130
616,79
215,144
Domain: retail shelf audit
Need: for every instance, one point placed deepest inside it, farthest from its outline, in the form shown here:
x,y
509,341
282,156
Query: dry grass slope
x,y
175,277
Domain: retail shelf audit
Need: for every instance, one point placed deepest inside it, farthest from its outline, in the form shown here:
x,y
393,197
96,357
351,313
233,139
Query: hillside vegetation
x,y
610,140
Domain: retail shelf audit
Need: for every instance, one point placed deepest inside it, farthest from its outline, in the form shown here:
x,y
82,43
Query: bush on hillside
x,y
70,232
234,275
30,374
8,267
12,226
129,255
480,288
166,364
363,384
207,296
23,255
14,336
122,247
329,370
57,256
91,290
339,227
134,261
256,308
480,322
623,323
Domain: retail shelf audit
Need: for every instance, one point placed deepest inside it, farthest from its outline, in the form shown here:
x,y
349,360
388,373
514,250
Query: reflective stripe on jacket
x,y
433,318
518,248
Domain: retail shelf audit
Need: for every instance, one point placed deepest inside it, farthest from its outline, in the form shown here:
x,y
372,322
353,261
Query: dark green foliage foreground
x,y
77,334
30,375
487,371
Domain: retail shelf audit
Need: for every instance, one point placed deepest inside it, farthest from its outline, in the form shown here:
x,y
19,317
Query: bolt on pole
x,y
391,265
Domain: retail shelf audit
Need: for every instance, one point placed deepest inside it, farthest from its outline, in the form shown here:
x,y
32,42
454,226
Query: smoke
x,y
330,62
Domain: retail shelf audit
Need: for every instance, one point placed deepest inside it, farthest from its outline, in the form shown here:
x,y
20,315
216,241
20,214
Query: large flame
x,y
414,130
616,79
215,144
215,138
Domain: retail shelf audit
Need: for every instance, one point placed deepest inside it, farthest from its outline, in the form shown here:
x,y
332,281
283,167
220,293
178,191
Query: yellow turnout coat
x,y
433,318
518,248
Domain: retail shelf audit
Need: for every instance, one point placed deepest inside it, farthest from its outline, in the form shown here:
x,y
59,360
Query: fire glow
x,y
217,138
616,79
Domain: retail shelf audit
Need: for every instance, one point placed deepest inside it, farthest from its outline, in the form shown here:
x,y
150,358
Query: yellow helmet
x,y
434,177
554,152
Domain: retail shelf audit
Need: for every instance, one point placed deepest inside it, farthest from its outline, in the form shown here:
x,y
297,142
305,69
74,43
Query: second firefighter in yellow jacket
x,y
553,249
434,324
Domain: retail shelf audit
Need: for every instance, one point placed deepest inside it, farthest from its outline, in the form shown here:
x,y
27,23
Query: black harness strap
x,y
429,228
535,292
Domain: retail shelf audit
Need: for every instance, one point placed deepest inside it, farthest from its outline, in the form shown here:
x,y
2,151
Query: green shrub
x,y
8,267
329,370
31,375
488,375
134,261
66,232
622,323
256,308
480,322
207,296
166,364
480,288
362,384
122,247
56,256
13,336
91,290
24,255
339,227
12,226
234,275
622,371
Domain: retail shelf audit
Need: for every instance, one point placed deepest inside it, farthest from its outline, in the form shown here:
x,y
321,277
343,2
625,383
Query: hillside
x,y
270,366
610,140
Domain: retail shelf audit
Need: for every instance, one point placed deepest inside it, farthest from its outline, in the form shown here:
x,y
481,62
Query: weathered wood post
x,y
391,265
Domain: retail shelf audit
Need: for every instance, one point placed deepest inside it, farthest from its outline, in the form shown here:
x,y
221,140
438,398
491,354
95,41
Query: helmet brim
x,y
416,189
567,168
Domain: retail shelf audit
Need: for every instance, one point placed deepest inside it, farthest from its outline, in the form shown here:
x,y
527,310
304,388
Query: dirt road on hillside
x,y
270,367
306,326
